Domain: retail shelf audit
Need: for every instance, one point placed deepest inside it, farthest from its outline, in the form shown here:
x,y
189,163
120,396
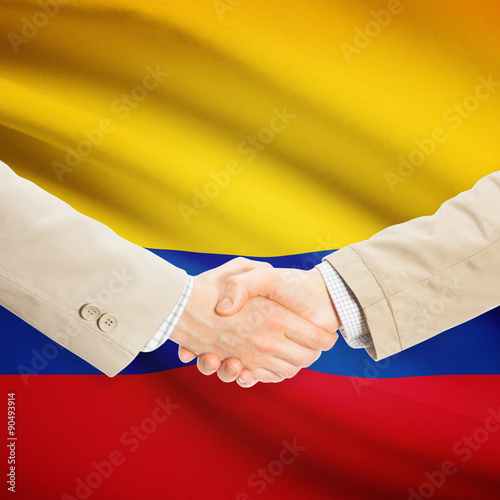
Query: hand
x,y
302,292
269,340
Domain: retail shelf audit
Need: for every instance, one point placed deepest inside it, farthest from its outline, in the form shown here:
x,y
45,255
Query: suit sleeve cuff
x,y
354,327
167,328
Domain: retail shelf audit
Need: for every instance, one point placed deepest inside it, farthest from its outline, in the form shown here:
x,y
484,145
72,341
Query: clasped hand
x,y
251,322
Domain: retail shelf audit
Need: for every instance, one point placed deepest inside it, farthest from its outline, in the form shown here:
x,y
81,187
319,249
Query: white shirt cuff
x,y
167,328
354,327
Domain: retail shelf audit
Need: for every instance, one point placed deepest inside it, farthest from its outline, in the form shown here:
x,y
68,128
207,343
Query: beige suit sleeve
x,y
54,260
417,279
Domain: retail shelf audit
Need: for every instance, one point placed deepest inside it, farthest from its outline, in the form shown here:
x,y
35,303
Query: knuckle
x,y
313,340
274,316
290,371
271,377
266,265
263,343
243,329
232,366
331,342
311,358
259,374
241,260
256,320
223,376
203,369
232,281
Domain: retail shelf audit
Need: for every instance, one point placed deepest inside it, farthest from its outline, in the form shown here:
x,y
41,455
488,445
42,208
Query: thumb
x,y
238,289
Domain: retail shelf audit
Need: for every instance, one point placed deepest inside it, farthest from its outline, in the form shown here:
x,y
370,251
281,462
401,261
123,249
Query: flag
x,y
207,129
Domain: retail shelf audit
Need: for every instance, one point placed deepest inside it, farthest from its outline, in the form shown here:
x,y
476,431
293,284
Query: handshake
x,y
251,322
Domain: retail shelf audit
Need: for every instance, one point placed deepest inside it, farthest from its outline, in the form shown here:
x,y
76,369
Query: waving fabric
x,y
203,129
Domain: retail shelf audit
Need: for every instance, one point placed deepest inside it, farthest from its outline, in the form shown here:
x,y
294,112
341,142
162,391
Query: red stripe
x,y
374,442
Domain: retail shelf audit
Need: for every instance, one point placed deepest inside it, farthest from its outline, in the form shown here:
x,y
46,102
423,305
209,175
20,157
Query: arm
x,y
417,279
54,261
105,299
411,281
269,339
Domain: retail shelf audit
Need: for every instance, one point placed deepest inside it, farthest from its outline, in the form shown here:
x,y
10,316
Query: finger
x,y
298,341
316,359
185,355
238,289
243,265
275,369
246,379
294,355
237,266
307,334
278,335
208,363
266,376
230,369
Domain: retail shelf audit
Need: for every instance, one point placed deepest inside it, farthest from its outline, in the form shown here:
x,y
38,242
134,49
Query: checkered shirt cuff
x,y
167,328
354,327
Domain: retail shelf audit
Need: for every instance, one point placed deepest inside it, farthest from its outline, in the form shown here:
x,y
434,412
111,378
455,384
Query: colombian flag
x,y
204,129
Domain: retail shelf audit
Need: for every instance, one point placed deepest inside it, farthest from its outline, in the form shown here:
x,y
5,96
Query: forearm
x,y
55,260
417,279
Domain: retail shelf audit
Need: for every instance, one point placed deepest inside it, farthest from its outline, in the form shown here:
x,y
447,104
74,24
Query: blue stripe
x,y
471,348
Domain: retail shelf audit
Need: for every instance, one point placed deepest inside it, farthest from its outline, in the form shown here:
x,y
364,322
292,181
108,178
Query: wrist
x,y
323,301
194,330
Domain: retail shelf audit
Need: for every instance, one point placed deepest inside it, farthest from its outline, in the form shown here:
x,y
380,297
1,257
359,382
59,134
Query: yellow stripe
x,y
334,109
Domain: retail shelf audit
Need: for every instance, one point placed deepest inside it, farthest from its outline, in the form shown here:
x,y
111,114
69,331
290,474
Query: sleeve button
x,y
107,323
90,312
